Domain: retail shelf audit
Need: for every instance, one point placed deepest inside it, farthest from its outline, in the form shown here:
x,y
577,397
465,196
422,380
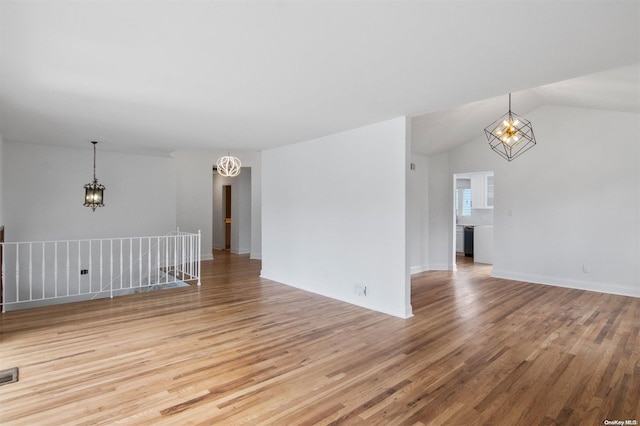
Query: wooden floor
x,y
244,350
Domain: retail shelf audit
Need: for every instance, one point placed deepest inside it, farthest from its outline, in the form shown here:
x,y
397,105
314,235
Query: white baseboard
x,y
434,267
393,311
418,268
567,283
440,267
241,251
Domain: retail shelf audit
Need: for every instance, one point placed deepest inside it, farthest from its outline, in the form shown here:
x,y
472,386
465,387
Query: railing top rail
x,y
172,235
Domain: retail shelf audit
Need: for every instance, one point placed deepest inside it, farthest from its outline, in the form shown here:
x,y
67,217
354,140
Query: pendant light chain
x,y
94,160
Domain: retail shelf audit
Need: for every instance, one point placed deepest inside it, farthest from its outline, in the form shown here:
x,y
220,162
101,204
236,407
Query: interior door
x,y
226,194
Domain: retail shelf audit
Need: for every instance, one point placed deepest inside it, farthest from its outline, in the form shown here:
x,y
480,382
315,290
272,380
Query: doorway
x,y
226,202
231,212
473,202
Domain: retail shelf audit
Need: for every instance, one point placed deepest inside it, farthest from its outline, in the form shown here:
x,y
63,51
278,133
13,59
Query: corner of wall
x,y
206,256
299,194
1,180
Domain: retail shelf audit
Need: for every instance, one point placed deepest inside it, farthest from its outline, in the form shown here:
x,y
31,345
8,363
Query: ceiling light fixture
x,y
228,166
94,191
510,135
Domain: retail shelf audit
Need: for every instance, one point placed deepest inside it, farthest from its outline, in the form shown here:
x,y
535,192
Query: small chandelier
x,y
94,191
510,135
228,166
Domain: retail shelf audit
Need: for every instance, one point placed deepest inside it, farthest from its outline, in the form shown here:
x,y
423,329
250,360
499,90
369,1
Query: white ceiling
x,y
615,90
157,76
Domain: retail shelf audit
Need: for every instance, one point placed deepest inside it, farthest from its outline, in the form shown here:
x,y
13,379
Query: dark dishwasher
x,y
468,241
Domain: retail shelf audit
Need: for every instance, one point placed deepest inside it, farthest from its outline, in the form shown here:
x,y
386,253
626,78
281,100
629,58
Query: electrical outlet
x,y
586,269
84,271
360,289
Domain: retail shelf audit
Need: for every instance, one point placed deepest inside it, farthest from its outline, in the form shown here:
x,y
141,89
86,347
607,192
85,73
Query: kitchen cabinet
x,y
482,191
459,238
483,244
477,191
488,196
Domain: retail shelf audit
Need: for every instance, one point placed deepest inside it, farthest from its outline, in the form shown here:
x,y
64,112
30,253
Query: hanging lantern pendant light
x,y
510,135
94,191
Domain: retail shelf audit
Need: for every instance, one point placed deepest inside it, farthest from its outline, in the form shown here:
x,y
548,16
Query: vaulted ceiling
x,y
157,76
614,90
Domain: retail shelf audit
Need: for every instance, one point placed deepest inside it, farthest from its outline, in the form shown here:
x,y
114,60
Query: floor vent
x,y
8,376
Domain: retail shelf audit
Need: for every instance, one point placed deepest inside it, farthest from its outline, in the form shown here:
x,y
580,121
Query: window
x,y
463,201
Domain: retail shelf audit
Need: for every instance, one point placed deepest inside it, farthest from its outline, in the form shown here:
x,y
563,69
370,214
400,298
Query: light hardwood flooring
x,y
245,350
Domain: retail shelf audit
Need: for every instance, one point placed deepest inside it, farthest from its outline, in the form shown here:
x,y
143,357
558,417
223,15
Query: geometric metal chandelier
x,y
94,191
510,135
228,166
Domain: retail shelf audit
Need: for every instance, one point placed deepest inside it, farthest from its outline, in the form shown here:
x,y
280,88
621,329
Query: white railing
x,y
44,272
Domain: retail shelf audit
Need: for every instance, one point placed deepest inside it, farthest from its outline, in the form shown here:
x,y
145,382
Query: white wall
x,y
441,242
242,243
194,189
43,193
1,181
240,211
571,201
334,216
418,214
218,225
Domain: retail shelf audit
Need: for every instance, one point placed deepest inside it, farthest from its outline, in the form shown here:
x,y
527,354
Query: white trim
x,y
241,251
434,267
440,267
568,283
397,312
419,268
